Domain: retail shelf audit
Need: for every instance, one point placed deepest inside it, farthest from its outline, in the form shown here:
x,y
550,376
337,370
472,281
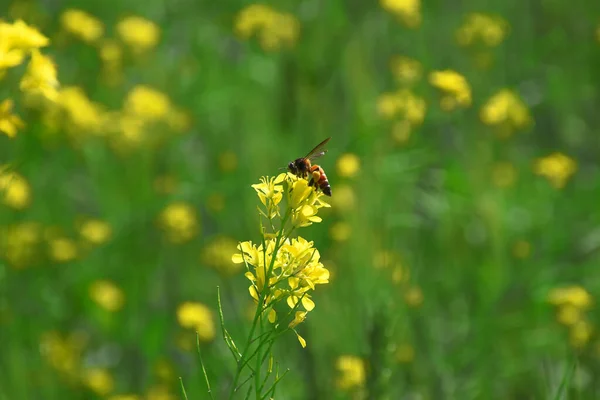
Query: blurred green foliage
x,y
464,230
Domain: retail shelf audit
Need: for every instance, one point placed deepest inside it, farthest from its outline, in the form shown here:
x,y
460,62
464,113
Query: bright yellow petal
x,y
308,304
301,340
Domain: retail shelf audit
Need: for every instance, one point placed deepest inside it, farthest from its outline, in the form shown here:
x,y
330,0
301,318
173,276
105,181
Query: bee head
x,y
292,167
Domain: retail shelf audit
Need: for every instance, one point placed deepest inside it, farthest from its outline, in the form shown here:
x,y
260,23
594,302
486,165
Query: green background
x,y
484,327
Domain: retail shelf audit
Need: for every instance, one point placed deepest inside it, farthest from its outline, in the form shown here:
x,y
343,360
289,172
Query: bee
x,y
303,168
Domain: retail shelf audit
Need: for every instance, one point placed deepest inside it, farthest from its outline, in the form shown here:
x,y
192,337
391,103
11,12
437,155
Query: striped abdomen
x,y
319,179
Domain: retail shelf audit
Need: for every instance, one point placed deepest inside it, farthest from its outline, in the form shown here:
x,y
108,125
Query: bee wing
x,y
318,150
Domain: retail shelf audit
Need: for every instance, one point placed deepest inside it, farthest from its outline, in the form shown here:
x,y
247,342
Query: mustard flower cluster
x,y
572,305
282,268
19,43
273,29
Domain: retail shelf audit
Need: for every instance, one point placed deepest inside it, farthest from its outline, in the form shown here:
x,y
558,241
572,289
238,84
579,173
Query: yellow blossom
x,y
82,115
506,108
138,33
99,380
82,25
107,295
63,353
352,373
15,191
270,193
9,123
274,29
406,70
557,168
160,392
217,254
21,36
62,249
340,231
573,295
488,29
456,91
348,165
569,314
409,11
124,397
95,231
9,57
403,103
199,317
40,76
580,334
180,222
147,103
111,52
18,243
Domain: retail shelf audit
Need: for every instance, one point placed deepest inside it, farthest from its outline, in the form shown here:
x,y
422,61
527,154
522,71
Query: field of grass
x,y
459,258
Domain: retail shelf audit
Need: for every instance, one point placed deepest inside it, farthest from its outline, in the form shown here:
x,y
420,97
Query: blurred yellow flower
x,y
414,296
160,392
557,168
348,165
15,191
138,33
506,108
351,372
573,295
402,103
180,222
82,25
569,314
99,380
581,333
489,30
406,70
40,77
456,91
274,29
409,11
147,103
95,231
270,193
82,115
62,249
199,317
9,123
111,52
21,36
63,354
107,295
227,161
217,254
504,174
405,353
345,198
18,243
9,57
340,231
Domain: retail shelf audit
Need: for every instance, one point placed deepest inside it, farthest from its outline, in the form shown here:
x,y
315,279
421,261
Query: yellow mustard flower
x,y
406,70
489,30
9,123
82,114
95,231
348,165
14,189
506,108
456,91
217,254
504,174
270,193
351,372
21,36
199,317
99,380
557,168
107,295
147,103
274,29
82,25
40,76
574,295
304,201
138,33
64,353
402,103
18,243
9,57
569,314
111,52
160,392
581,333
62,249
409,11
180,222
340,231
